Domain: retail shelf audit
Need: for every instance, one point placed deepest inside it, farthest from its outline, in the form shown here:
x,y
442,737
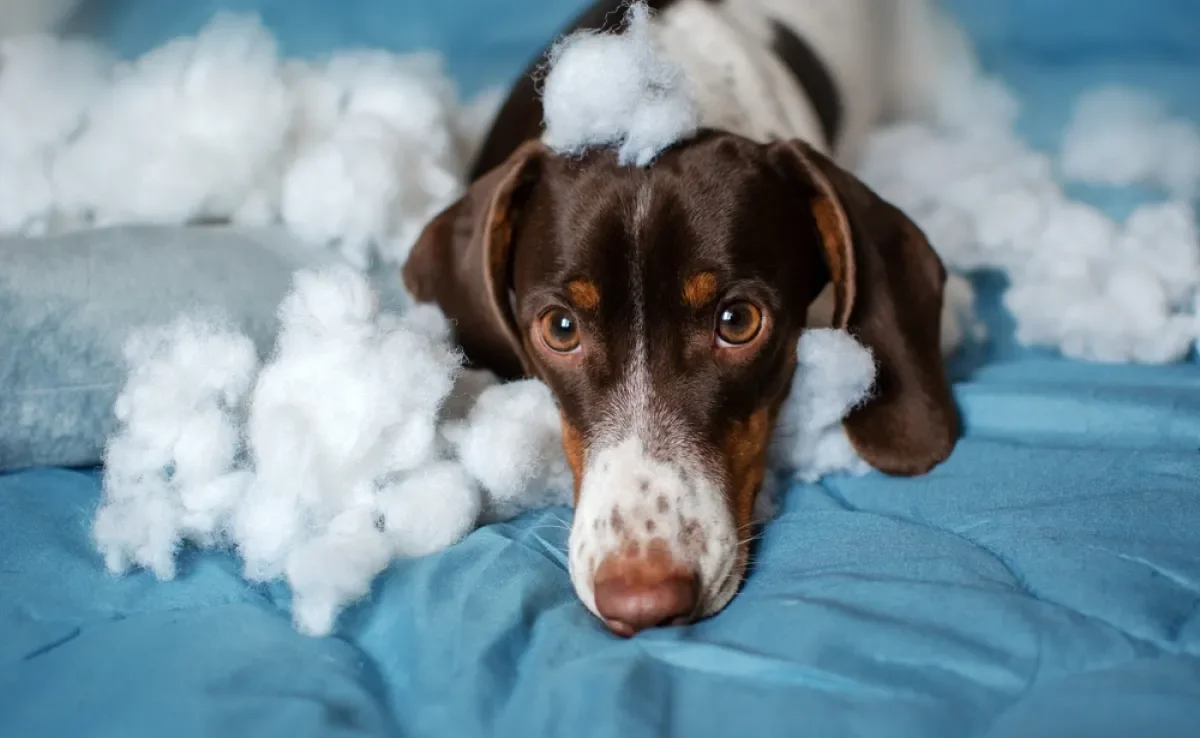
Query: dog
x,y
662,305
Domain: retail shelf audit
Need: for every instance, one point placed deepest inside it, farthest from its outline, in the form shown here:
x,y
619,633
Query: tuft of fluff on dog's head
x,y
616,90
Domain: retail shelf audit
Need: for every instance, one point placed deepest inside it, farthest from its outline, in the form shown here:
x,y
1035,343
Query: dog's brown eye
x,y
560,331
739,323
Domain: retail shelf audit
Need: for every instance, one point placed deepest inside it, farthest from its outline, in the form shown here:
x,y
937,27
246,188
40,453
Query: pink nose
x,y
636,593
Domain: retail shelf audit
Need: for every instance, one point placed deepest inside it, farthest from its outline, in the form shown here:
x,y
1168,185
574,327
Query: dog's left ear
x,y
888,286
462,262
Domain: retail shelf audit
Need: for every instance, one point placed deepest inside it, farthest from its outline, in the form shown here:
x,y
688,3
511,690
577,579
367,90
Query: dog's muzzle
x,y
653,542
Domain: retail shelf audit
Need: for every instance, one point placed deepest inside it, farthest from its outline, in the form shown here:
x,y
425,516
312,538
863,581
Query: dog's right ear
x,y
889,290
463,259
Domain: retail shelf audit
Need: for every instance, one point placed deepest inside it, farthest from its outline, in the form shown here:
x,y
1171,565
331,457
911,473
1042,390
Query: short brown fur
x,y
745,453
700,289
573,447
584,294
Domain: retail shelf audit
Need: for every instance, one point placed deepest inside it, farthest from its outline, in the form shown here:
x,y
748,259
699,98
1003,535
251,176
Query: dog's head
x,y
663,305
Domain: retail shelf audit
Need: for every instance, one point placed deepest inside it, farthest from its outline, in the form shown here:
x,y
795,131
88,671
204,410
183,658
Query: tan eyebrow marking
x,y
699,289
584,294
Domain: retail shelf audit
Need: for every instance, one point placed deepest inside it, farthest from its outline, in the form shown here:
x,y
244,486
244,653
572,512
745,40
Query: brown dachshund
x,y
662,305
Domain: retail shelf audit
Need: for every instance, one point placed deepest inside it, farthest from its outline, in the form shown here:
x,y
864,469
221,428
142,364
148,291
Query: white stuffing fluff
x,y
616,90
1080,283
190,130
320,467
430,508
1124,295
345,410
377,154
356,152
1122,136
511,443
335,566
170,469
46,85
55,80
834,374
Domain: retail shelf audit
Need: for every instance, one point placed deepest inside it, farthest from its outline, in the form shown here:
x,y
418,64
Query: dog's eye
x,y
738,323
559,331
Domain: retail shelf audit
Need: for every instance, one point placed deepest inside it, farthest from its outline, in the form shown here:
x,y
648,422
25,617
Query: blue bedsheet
x,y
1044,582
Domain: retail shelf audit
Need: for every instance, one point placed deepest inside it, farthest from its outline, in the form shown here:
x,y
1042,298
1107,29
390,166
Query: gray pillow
x,y
67,304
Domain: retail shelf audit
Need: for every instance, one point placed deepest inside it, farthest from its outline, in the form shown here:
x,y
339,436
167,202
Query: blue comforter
x,y
1043,582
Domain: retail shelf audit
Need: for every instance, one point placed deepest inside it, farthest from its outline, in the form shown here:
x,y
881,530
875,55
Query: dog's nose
x,y
636,593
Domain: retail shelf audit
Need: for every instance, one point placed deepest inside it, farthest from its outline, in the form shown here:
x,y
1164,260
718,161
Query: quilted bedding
x,y
1043,582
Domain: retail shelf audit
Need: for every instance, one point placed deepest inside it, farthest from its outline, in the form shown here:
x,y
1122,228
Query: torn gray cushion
x,y
67,304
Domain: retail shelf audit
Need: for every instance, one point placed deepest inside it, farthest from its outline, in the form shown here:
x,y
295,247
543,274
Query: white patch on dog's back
x,y
738,84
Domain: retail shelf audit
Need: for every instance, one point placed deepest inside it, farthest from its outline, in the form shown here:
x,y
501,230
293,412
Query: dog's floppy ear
x,y
462,262
888,284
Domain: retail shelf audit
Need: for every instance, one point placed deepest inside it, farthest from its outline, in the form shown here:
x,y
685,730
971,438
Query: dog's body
x,y
821,71
662,305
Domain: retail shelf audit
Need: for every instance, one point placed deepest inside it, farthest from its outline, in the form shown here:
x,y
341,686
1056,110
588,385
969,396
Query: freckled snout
x,y
633,593
653,542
